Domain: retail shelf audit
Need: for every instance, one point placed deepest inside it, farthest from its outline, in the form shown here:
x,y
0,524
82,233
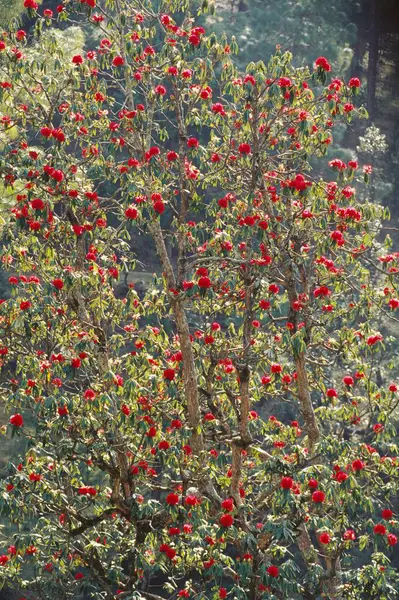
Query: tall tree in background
x,y
147,462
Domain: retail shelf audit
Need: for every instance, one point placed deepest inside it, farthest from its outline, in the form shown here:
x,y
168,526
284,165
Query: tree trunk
x,y
312,428
334,580
189,377
189,370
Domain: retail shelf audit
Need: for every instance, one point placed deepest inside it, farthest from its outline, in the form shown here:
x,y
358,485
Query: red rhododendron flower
x,y
209,417
354,82
273,288
172,155
387,514
358,465
244,148
118,61
284,82
169,374
17,420
324,538
172,499
125,409
380,529
152,432
323,64
264,304
272,571
46,131
78,229
131,212
286,483
194,39
341,477
58,284
174,531
349,534
31,4
159,207
226,520
204,283
192,142
228,504
191,500
87,491
318,497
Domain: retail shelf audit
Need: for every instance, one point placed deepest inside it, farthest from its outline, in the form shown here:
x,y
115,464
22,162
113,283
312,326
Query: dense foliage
x,y
147,462
308,27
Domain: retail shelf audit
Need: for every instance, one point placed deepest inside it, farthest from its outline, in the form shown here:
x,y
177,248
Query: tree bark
x,y
334,580
189,377
305,400
189,371
312,428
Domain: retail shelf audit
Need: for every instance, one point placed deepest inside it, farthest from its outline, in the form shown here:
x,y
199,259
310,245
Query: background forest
x,y
360,38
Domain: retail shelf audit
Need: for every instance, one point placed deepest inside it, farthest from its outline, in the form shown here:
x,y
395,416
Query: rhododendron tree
x,y
148,470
